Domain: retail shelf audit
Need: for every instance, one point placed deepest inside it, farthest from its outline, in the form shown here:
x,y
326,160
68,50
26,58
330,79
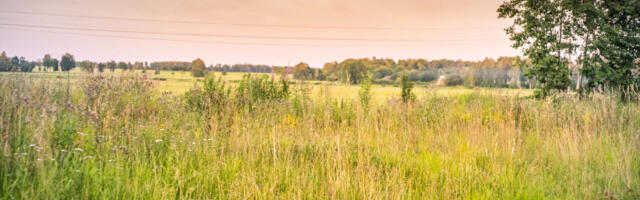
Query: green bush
x,y
453,80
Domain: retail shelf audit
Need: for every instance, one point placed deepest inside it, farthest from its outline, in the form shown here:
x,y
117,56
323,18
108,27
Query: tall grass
x,y
115,137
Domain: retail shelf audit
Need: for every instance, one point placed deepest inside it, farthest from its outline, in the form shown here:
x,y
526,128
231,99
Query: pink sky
x,y
453,29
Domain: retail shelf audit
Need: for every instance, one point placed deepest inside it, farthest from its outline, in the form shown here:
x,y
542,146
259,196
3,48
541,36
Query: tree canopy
x,y
603,36
67,62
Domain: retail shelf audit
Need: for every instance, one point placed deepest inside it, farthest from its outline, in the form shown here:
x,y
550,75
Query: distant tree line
x,y
489,72
242,68
15,64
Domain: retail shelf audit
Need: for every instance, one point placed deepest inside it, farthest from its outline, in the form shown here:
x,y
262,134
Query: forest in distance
x,y
501,73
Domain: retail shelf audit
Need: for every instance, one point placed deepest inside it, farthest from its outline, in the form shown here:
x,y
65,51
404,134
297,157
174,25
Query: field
x,y
178,82
127,136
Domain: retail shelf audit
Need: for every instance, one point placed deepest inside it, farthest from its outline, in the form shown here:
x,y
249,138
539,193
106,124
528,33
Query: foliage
x,y
406,86
197,68
302,71
453,80
602,34
67,62
256,90
352,71
365,92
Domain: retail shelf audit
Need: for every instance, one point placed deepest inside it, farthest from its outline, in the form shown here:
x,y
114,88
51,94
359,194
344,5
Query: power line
x,y
236,36
244,24
230,43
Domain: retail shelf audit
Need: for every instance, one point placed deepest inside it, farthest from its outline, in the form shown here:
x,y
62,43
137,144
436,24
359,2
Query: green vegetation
x,y
197,68
119,136
603,35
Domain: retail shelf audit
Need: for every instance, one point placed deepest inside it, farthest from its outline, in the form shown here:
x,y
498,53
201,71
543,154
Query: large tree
x,y
540,29
612,43
197,68
67,62
601,36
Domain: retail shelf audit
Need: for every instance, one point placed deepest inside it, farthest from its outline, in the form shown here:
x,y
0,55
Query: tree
x,y
541,29
112,65
197,68
302,71
54,64
47,61
87,66
122,65
601,34
5,63
352,71
15,64
101,67
67,62
611,32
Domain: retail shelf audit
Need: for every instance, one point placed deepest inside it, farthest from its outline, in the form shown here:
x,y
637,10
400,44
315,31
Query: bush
x,y
252,90
453,80
406,86
365,92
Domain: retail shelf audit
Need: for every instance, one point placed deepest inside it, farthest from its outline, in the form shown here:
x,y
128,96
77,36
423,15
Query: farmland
x,y
130,136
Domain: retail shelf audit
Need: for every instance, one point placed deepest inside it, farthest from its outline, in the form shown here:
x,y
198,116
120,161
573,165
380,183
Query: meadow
x,y
131,136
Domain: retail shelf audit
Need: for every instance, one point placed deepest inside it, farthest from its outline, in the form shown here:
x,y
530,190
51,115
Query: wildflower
x,y
77,171
32,145
195,88
64,150
39,159
158,140
79,149
109,160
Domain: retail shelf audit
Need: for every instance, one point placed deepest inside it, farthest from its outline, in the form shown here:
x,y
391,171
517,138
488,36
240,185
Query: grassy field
x,y
178,82
124,137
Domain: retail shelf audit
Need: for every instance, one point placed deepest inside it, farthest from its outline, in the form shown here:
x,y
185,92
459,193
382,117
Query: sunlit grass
x,y
120,138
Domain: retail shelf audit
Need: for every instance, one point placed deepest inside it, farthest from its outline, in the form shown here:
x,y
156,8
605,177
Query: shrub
x,y
365,92
251,90
453,80
406,86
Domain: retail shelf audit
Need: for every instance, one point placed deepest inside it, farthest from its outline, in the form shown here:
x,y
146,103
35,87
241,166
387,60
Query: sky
x,y
272,32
